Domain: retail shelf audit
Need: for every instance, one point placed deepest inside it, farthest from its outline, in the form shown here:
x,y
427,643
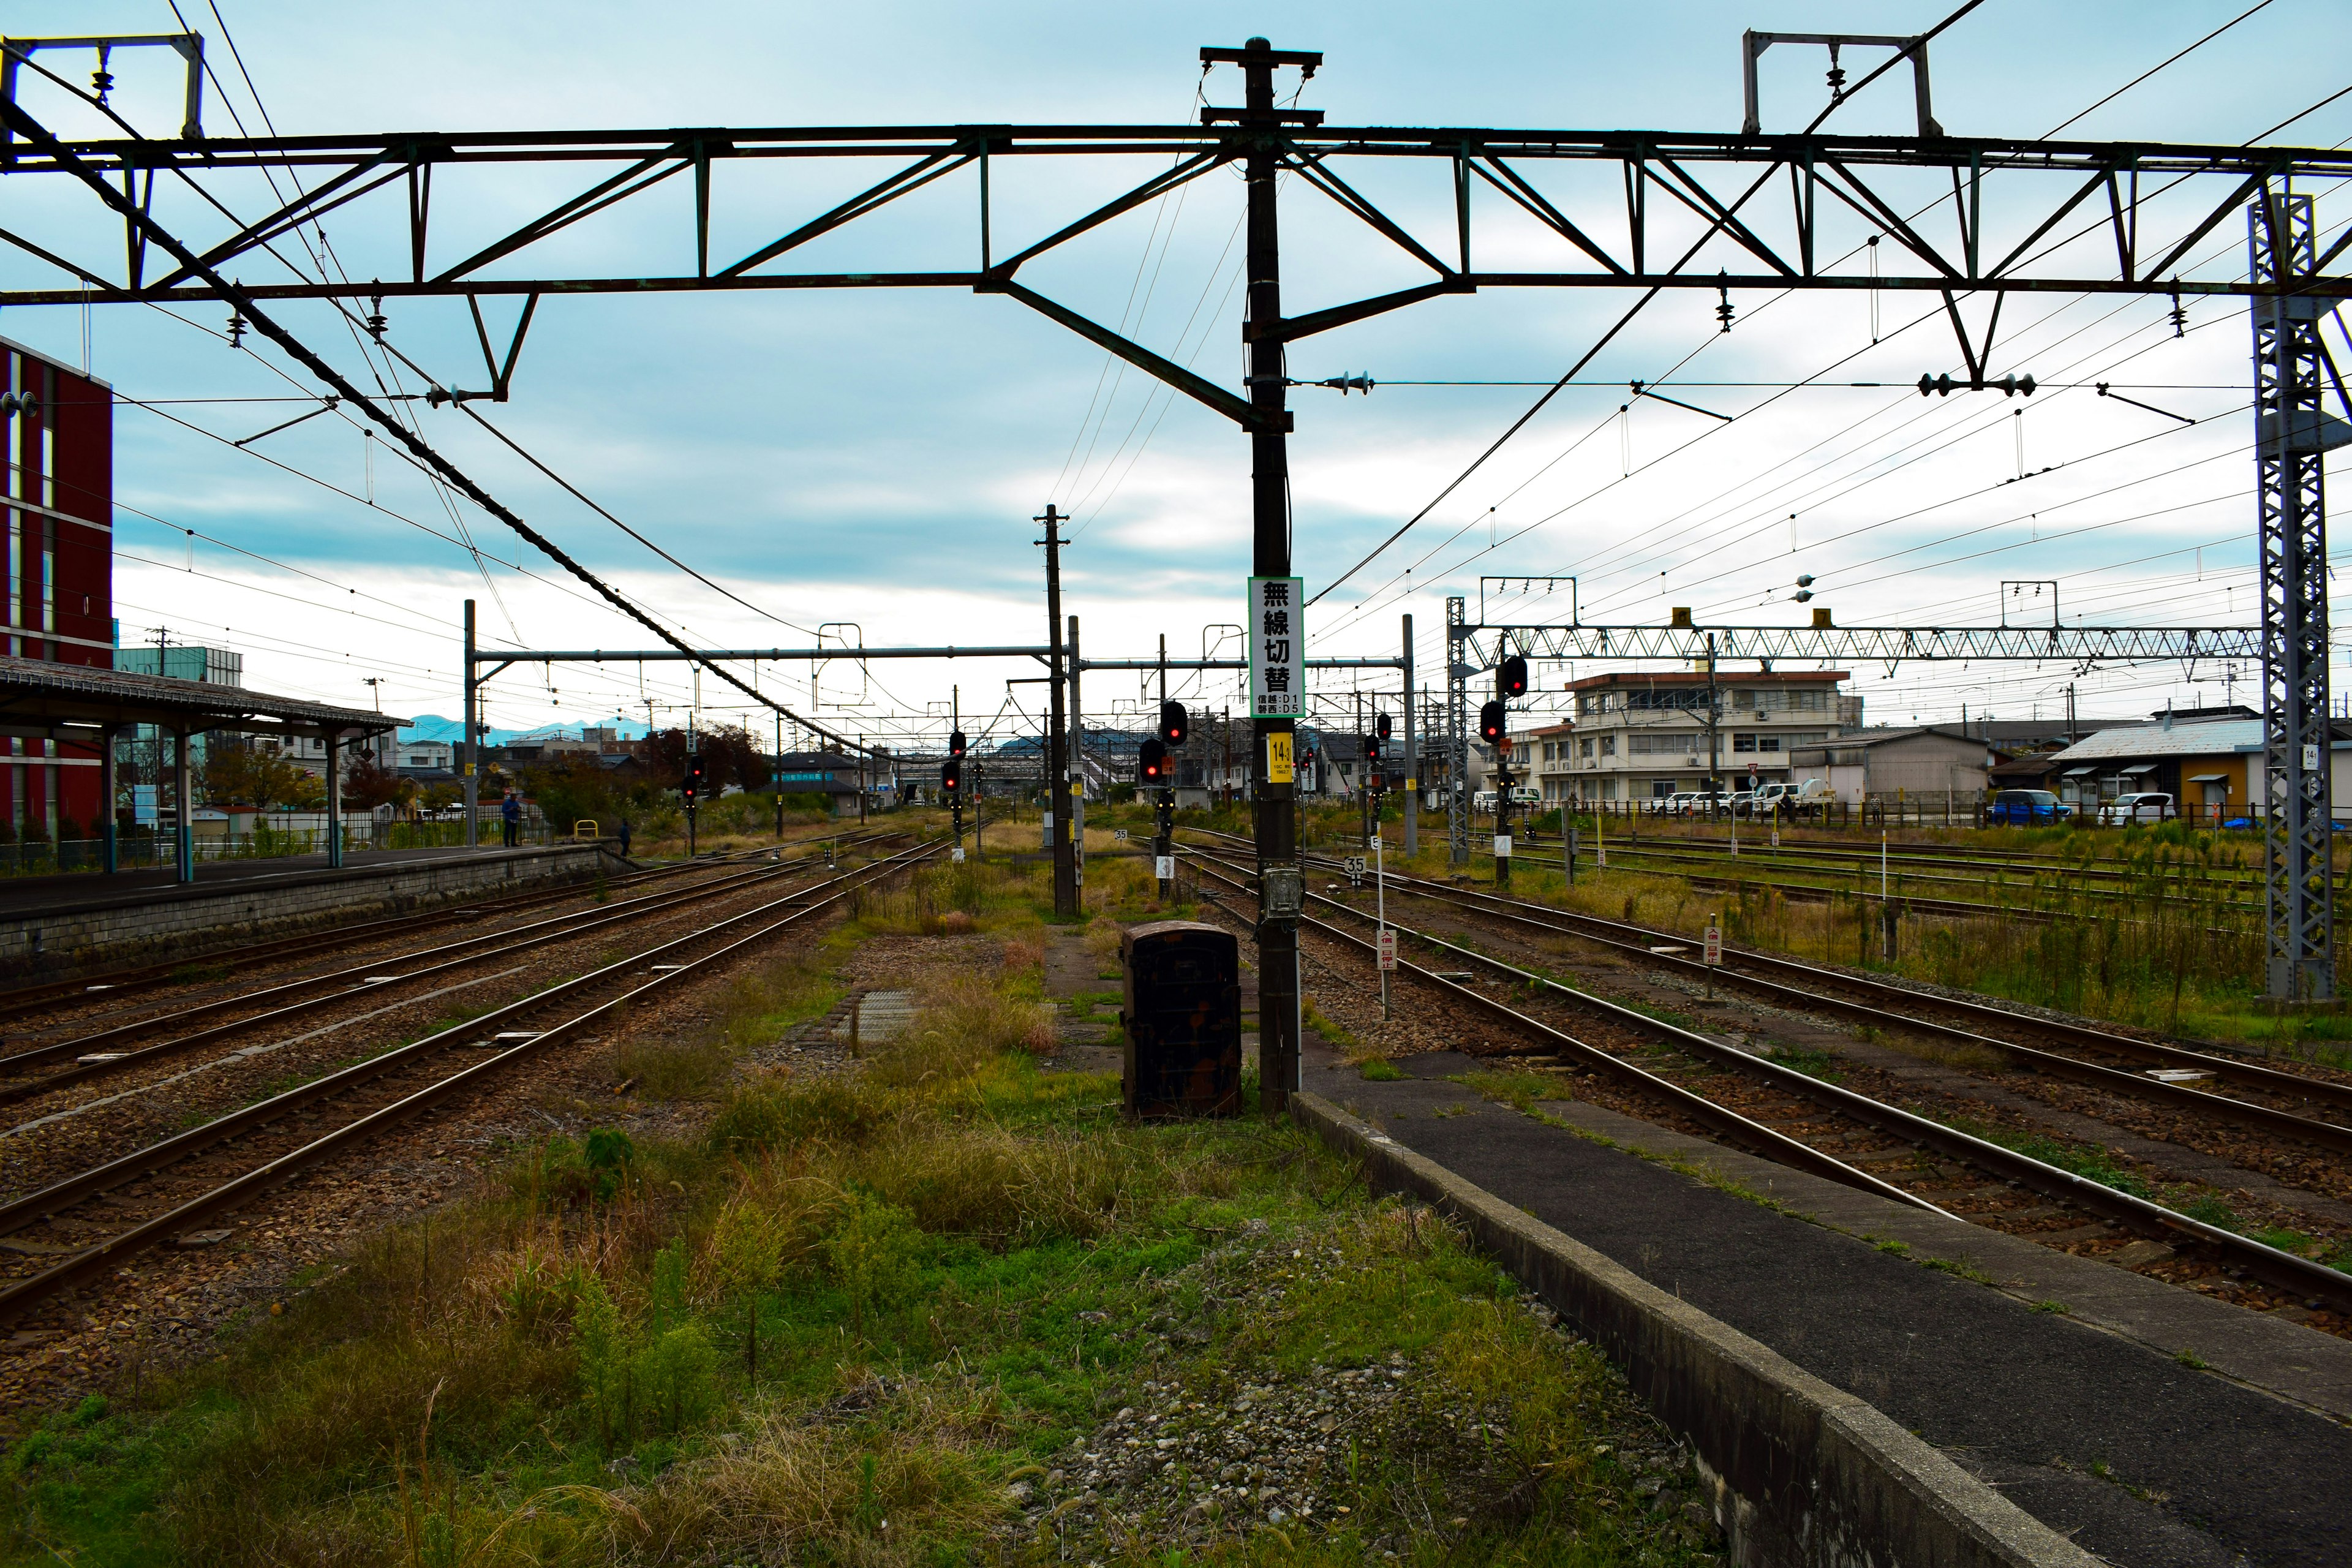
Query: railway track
x,y
1796,1100
115,984
1820,894
213,1168
1861,875
1903,856
2311,1109
113,1051
1893,1007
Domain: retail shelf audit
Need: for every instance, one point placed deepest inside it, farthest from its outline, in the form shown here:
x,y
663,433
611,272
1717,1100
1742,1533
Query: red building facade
x,y
59,425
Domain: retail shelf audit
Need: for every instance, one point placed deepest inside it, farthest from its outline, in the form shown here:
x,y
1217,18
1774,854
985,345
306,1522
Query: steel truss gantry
x,y
1652,211
1471,648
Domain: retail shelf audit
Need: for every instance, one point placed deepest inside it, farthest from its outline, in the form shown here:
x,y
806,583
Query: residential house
x,y
2211,766
1641,735
425,756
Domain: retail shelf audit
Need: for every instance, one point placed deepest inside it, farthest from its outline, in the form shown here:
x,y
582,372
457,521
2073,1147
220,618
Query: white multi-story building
x,y
1642,735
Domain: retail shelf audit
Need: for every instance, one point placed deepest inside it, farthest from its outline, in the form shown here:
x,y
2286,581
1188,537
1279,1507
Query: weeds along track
x,y
105,1213
114,1049
2041,902
2051,887
2071,907
107,989
1784,1114
1850,856
2309,1109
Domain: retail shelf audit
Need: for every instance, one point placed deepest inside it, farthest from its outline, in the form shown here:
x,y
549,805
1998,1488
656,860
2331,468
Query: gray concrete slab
x,y
2085,1419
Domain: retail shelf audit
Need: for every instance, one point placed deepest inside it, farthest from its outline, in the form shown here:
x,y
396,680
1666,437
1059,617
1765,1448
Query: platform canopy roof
x,y
40,700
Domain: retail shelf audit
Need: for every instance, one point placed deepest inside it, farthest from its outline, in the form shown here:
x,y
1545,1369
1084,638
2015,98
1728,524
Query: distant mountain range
x,y
433,727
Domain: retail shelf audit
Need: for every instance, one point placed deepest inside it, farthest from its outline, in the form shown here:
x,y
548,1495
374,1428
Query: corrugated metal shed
x,y
2200,737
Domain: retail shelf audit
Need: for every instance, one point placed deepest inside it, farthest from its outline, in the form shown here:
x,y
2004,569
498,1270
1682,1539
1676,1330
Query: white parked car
x,y
1793,797
2151,805
1482,803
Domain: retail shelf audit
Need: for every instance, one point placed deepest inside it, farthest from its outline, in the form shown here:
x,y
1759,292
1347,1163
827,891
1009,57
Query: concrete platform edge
x,y
1801,1472
47,943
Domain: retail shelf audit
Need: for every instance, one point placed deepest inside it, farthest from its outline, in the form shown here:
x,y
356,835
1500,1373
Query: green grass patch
x,y
1823,1064
854,1323
2086,1160
1519,1090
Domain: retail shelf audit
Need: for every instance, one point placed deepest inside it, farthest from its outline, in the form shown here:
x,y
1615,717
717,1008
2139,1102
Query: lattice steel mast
x,y
2290,433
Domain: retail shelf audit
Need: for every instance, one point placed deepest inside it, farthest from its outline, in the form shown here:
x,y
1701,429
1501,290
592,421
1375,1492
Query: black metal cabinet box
x,y
1182,1018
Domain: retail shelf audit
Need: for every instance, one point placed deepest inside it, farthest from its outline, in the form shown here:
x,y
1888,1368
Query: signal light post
x,y
1495,726
691,788
1175,725
952,774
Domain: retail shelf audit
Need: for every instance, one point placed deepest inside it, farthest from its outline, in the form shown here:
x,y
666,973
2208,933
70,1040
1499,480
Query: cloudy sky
x,y
874,458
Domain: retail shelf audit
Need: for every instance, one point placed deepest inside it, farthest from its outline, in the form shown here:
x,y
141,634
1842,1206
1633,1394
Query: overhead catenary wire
x,y
1948,21
24,125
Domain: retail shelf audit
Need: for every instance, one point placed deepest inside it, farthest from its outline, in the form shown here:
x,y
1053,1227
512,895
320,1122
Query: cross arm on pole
x,y
1198,387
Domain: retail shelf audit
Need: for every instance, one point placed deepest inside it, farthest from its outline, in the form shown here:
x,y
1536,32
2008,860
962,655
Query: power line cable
x,y
2151,70
24,124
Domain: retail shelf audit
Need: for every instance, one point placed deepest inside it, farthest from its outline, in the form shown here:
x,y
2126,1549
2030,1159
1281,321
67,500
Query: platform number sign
x,y
1278,647
1387,946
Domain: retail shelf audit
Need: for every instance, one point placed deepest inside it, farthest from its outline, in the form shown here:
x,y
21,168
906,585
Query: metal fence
x,y
140,849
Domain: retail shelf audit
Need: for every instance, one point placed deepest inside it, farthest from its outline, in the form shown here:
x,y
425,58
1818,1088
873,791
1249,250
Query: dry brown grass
x,y
788,1483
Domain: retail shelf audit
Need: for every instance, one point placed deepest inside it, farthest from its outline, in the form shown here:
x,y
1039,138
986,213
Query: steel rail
x,y
2251,1074
15,1297
1777,1146
1938,856
1957,909
452,956
2281,1269
24,998
1764,860
2308,1130
282,992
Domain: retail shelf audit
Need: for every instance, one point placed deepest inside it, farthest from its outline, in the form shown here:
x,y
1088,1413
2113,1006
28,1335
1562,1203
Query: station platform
x,y
54,925
2147,1423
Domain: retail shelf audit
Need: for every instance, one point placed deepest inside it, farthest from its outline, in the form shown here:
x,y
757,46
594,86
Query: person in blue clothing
x,y
511,813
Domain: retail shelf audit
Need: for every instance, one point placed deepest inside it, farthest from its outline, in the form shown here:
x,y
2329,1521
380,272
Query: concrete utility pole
x,y
1281,885
1714,732
1072,792
470,748
1058,744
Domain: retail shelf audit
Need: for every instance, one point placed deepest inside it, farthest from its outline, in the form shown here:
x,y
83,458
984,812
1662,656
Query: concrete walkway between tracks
x,y
2097,1420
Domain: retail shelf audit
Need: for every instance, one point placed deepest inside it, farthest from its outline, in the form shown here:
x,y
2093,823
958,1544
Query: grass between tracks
x,y
2157,945
854,1321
